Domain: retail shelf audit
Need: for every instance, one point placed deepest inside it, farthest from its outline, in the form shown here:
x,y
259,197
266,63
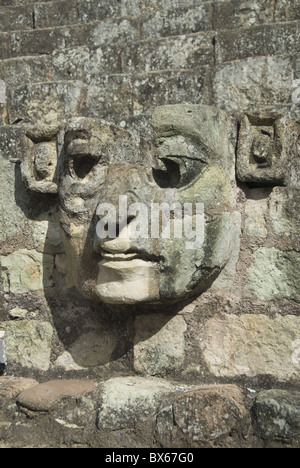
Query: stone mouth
x,y
121,256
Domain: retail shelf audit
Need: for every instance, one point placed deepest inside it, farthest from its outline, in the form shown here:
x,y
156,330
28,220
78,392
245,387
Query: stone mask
x,y
104,174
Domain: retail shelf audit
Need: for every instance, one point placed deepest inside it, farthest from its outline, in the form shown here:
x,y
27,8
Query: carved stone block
x,y
113,187
264,149
39,159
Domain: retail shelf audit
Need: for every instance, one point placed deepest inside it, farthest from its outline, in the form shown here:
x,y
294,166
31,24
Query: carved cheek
x,y
212,188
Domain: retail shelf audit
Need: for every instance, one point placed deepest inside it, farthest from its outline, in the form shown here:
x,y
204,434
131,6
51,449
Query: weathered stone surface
x,y
11,387
18,313
46,102
93,348
112,31
54,14
81,63
17,72
27,43
2,92
235,14
46,232
175,20
28,344
272,39
227,276
274,275
284,210
252,345
16,18
256,211
253,83
206,413
11,216
160,55
27,270
287,10
277,414
2,348
109,96
168,87
3,113
165,425
43,396
90,11
67,362
9,148
159,344
128,400
45,41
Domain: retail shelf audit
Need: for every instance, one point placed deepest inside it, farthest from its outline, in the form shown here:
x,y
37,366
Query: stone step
x,y
19,71
231,13
9,3
176,52
45,41
107,96
123,410
86,62
272,39
164,22
125,33
16,18
235,14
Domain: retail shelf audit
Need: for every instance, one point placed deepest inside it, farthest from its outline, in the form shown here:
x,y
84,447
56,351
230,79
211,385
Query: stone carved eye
x,y
168,178
83,156
179,172
182,162
82,165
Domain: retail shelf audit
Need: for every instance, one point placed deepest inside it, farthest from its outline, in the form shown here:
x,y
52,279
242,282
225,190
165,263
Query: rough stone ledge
x,y
277,414
261,40
133,410
69,26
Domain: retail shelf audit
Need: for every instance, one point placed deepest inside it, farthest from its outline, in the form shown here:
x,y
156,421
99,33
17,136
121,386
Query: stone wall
x,y
117,60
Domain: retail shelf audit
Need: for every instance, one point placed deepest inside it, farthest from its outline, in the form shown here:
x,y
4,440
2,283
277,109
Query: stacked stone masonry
x,y
133,55
237,346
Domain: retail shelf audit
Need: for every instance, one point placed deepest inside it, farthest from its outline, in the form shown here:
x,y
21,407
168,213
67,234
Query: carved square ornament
x,y
40,148
263,149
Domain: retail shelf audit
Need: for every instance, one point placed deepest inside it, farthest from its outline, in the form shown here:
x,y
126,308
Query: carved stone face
x,y
107,175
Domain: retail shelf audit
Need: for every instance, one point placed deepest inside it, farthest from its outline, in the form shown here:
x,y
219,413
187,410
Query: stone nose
x,y
124,187
113,227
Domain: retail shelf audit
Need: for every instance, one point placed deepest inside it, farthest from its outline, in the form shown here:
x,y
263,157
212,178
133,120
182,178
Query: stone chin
x,y
127,281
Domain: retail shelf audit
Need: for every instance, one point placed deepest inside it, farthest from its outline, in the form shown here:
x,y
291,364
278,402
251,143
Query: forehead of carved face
x,y
148,222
